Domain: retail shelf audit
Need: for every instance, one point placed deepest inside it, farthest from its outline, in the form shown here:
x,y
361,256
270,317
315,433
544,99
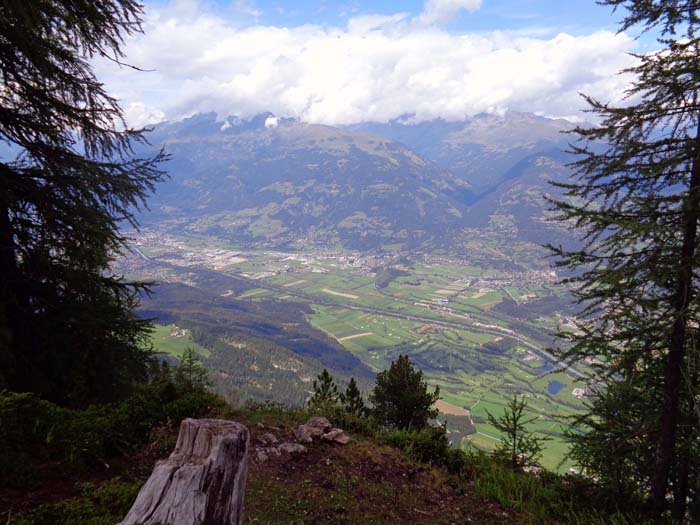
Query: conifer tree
x,y
519,446
325,393
352,400
68,182
401,398
190,375
636,197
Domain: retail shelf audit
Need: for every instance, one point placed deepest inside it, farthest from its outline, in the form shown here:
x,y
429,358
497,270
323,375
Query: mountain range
x,y
277,182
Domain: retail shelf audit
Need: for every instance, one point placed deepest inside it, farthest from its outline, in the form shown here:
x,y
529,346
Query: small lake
x,y
547,367
554,387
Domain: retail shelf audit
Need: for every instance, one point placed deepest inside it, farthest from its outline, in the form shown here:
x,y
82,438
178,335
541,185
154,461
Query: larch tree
x,y
519,446
68,181
636,197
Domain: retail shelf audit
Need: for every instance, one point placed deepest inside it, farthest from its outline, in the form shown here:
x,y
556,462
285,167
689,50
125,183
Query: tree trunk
x,y
9,338
203,480
680,487
674,367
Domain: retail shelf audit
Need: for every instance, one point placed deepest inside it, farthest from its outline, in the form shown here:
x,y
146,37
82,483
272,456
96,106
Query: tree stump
x,y
203,480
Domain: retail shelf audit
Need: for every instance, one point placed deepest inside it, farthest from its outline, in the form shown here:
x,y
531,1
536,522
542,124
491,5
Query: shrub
x,y
33,430
430,445
103,505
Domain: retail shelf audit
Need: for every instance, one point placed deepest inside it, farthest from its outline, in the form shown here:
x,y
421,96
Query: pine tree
x,y
401,398
325,394
636,196
67,331
519,446
352,400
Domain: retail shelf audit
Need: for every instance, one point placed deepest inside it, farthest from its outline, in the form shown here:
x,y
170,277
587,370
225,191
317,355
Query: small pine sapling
x,y
352,400
325,396
519,446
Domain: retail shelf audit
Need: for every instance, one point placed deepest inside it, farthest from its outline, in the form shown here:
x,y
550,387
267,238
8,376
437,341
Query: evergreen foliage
x,y
66,326
401,398
325,395
190,374
636,197
352,400
34,431
519,446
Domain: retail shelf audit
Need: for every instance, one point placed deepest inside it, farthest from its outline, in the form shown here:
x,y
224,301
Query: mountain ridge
x,y
278,182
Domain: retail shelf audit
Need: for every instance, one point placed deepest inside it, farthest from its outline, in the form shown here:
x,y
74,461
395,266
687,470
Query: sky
x,y
347,61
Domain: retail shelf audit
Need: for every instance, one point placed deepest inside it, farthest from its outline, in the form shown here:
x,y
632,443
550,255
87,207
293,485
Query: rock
x,y
314,428
305,433
203,480
319,422
336,435
268,439
263,454
292,448
302,437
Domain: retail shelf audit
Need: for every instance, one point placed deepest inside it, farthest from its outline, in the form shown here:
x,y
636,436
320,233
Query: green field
x,y
470,375
455,360
165,341
475,331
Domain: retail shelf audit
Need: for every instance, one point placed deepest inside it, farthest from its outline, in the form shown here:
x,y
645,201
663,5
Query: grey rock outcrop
x,y
203,480
336,435
314,428
320,427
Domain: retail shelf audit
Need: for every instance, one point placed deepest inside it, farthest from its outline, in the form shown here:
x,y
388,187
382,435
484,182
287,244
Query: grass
x,y
165,341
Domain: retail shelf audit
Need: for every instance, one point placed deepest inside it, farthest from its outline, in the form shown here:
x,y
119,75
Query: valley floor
x,y
479,332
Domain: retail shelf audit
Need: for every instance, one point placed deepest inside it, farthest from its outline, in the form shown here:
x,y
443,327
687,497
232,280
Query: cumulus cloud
x,y
442,11
375,68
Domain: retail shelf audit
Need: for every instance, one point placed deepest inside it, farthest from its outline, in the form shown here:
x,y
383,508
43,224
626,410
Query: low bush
x,y
103,505
33,431
543,496
430,445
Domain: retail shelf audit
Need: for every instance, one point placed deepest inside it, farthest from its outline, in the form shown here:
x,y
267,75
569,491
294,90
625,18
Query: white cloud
x,y
272,122
138,115
442,11
247,7
377,68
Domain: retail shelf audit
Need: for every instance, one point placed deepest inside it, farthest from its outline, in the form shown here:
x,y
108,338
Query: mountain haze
x,y
480,149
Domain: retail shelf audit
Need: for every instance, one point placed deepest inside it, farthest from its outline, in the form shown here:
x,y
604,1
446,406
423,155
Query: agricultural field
x,y
173,340
481,334
474,373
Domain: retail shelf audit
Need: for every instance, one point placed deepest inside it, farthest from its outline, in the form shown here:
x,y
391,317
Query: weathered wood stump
x,y
203,480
